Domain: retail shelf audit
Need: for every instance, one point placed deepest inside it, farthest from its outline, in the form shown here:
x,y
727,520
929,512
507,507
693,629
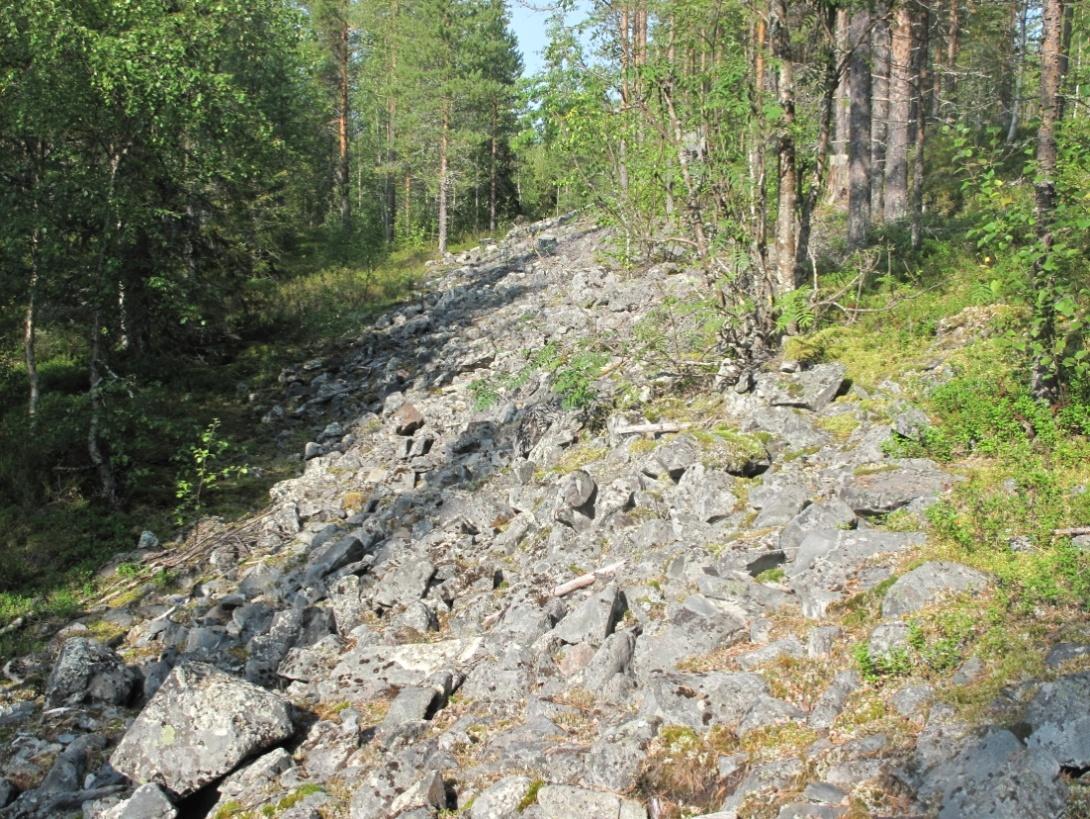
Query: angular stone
x,y
577,489
706,493
368,671
811,389
831,516
407,420
832,701
87,671
198,726
594,619
147,802
406,583
500,800
927,584
673,458
996,776
697,627
1060,721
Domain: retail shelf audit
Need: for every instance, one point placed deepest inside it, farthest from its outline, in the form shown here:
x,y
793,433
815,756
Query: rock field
x,y
474,601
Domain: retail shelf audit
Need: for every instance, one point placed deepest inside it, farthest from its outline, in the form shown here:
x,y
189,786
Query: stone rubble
x,y
385,641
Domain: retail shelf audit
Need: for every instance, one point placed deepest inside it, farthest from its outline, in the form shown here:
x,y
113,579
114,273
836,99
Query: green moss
x,y
530,797
839,426
773,575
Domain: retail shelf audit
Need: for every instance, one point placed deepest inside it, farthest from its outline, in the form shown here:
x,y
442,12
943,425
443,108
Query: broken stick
x,y
585,580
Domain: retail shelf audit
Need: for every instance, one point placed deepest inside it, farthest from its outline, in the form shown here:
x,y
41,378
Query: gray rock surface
x,y
929,583
198,726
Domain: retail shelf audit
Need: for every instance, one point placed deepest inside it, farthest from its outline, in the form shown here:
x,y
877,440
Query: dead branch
x,y
585,580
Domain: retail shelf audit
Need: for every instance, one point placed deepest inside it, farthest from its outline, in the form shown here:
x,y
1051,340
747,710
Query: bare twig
x,y
1074,531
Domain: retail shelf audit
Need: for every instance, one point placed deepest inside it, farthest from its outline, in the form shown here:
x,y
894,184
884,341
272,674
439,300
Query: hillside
x,y
482,596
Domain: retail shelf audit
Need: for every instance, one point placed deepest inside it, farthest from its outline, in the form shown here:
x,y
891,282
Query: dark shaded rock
x,y
87,671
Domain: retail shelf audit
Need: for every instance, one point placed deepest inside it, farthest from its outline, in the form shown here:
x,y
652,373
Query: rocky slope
x,y
481,597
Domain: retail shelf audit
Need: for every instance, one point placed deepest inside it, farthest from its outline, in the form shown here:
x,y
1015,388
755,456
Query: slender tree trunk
x,y
391,118
444,140
757,181
880,44
785,153
343,172
101,463
1052,71
820,173
923,83
859,166
30,331
492,171
1019,67
953,44
693,211
900,112
625,39
838,174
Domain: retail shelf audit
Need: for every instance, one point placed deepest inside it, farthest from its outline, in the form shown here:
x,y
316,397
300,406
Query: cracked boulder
x,y
199,725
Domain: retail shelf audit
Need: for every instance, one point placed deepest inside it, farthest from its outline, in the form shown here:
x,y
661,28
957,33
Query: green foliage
x,y
202,469
573,378
1059,291
873,668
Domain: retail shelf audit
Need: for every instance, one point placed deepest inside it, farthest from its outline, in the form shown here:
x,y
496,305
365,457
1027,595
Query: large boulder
x,y
87,671
198,727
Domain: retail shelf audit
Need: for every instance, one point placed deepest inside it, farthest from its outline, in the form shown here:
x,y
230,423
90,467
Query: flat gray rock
x,y
928,584
147,802
569,802
812,389
501,799
885,488
998,777
199,725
